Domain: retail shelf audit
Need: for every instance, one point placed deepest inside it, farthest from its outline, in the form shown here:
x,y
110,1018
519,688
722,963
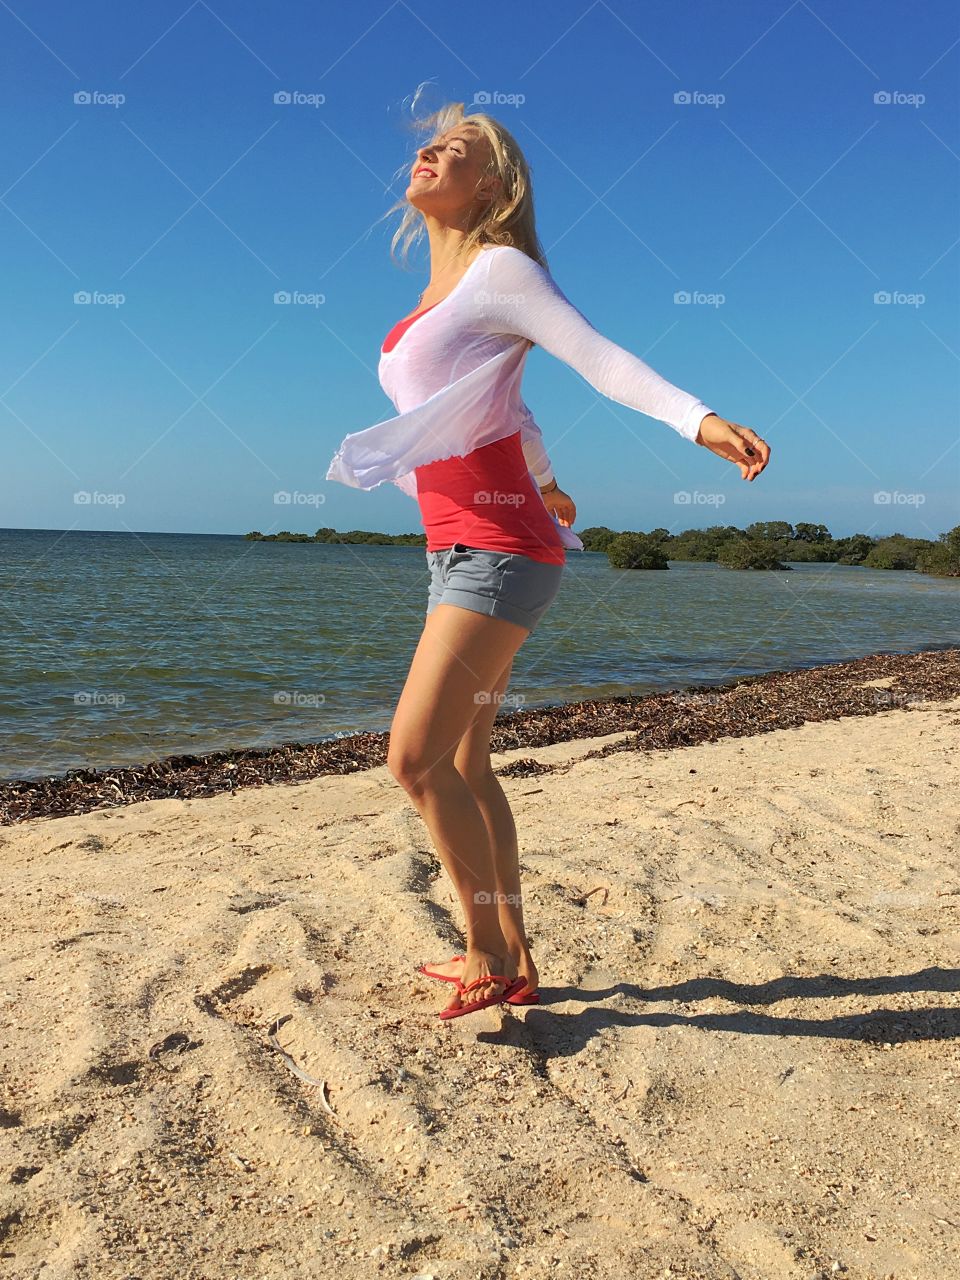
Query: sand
x,y
746,1063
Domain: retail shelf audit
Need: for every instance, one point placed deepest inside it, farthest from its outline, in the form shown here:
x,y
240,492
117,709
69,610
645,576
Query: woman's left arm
x,y
522,298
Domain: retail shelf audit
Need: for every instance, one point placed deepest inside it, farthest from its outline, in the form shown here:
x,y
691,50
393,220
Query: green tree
x,y
804,532
636,551
896,552
597,538
751,553
702,544
853,550
942,558
804,552
775,529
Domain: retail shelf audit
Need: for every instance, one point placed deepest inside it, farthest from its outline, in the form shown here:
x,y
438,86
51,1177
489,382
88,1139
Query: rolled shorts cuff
x,y
495,583
493,608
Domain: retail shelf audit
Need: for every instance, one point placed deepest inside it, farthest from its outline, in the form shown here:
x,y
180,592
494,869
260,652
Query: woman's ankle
x,y
519,948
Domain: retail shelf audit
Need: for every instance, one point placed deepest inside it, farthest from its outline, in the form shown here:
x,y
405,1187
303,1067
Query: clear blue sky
x,y
798,198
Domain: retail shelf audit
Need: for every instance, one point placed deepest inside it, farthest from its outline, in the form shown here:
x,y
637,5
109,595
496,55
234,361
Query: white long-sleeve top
x,y
534,450
454,375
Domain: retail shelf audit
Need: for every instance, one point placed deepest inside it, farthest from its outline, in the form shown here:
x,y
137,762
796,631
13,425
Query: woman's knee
x,y
413,768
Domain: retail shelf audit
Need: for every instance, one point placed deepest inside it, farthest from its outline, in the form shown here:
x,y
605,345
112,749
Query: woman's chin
x,y
425,201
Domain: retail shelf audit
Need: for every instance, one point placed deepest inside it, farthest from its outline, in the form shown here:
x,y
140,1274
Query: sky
x,y
760,199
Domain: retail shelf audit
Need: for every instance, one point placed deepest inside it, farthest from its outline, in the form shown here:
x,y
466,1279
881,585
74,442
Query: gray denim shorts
x,y
499,583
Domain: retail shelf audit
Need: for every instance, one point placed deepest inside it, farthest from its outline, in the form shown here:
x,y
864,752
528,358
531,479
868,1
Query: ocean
x,y
119,648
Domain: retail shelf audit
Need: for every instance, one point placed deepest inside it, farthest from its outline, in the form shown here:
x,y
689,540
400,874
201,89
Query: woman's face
x,y
447,172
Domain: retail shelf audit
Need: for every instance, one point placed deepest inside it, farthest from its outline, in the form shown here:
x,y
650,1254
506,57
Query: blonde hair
x,y
506,219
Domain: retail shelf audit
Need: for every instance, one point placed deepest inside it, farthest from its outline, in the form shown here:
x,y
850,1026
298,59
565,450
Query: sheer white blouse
x,y
454,376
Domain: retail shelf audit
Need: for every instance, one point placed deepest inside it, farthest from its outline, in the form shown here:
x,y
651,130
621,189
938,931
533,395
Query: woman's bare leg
x,y
472,761
459,659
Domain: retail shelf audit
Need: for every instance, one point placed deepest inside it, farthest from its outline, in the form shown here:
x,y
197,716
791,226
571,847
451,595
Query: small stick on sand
x,y
582,900
289,1063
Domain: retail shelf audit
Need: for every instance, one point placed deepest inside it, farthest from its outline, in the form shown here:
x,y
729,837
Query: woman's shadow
x,y
563,1035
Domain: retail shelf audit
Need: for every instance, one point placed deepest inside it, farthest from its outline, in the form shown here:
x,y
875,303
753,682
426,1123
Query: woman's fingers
x,y
737,443
561,505
756,449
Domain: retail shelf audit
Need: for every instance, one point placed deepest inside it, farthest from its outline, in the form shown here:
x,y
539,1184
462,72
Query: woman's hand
x,y
559,504
739,444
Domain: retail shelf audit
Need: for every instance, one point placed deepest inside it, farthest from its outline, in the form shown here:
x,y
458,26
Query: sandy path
x,y
746,1064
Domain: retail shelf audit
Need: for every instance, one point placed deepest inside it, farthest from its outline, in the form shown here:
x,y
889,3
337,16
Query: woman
x,y
464,445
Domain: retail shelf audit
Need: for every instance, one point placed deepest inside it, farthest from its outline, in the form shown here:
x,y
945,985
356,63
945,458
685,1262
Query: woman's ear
x,y
490,188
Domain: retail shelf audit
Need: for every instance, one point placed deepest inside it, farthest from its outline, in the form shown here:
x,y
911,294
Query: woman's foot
x,y
522,960
482,964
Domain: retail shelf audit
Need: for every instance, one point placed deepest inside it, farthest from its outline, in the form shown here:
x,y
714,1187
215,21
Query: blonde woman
x,y
465,446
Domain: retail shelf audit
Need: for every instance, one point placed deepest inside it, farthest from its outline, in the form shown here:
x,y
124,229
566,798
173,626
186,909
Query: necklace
x,y
420,299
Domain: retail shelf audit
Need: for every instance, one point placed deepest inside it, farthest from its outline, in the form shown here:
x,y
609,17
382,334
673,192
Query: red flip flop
x,y
510,988
521,997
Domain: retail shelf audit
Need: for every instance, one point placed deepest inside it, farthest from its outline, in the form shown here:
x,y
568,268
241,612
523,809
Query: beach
x,y
745,1064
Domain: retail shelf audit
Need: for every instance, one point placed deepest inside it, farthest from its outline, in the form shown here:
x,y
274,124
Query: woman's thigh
x,y
451,685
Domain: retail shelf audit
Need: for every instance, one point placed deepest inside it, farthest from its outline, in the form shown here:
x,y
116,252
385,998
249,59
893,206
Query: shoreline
x,y
746,706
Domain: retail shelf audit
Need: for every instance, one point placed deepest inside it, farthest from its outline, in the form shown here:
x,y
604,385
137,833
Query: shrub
x,y
853,550
597,538
751,553
942,559
896,552
636,551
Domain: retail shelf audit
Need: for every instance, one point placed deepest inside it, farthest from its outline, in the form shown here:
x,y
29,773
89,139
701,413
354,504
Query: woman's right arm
x,y
534,451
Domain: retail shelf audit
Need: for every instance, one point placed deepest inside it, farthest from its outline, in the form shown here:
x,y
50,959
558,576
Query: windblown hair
x,y
507,219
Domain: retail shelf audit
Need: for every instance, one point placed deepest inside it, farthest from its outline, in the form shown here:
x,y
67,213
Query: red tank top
x,y
487,498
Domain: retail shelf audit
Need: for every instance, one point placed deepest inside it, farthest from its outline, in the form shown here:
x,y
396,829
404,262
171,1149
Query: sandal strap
x,y
478,982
